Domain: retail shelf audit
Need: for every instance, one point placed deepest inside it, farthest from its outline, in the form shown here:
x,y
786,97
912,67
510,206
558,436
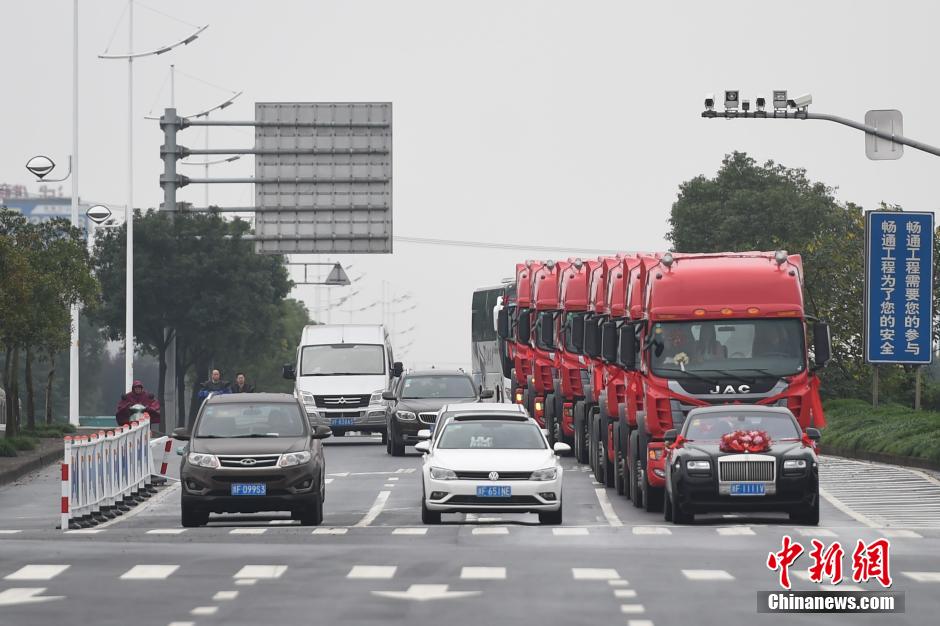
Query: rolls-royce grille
x,y
256,461
342,402
427,418
734,471
486,475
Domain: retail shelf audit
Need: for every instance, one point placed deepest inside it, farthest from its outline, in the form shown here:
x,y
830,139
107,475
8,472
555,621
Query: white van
x,y
340,372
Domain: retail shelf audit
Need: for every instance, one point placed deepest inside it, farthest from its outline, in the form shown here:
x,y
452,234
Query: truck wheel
x,y
600,450
589,447
579,452
548,407
636,470
618,464
397,443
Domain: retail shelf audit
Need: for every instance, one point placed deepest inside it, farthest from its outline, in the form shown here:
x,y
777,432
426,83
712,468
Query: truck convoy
x,y
609,354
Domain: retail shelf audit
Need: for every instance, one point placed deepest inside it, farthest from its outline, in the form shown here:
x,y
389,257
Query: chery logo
x,y
730,389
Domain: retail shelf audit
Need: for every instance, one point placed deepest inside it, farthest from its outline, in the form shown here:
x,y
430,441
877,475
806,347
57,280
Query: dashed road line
x,y
205,610
166,531
624,593
730,531
248,531
899,533
569,532
632,609
10,532
491,530
36,572
483,573
707,574
330,531
149,572
639,622
376,509
593,573
618,582
261,571
225,595
606,507
816,532
410,531
923,577
383,572
651,530
245,581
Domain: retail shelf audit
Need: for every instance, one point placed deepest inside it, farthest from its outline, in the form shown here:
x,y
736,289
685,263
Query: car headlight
x,y
203,460
376,397
698,466
549,473
439,473
405,416
294,458
794,464
310,404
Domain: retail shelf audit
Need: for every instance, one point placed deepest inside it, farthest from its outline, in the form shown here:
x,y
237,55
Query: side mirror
x,y
502,323
423,447
609,342
577,332
592,338
181,450
424,434
547,330
626,356
670,436
389,395
397,369
561,447
822,344
181,434
524,326
287,371
321,432
813,434
486,394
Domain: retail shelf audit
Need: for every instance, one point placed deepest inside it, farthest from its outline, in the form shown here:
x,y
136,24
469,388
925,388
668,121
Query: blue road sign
x,y
898,287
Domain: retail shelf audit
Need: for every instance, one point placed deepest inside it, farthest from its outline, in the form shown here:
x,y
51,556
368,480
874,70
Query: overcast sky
x,y
542,123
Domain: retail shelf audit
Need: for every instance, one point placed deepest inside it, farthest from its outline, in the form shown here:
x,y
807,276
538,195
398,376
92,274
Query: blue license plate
x,y
747,489
494,492
342,421
249,489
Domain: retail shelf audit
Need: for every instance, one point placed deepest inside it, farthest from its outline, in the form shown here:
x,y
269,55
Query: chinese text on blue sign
x,y
898,287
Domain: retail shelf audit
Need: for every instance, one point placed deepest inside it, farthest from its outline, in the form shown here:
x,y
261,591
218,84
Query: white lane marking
x,y
327,481
618,582
592,573
565,532
166,531
735,530
606,507
245,581
632,608
149,505
330,531
339,474
205,610
149,572
651,530
639,622
898,533
483,573
84,531
923,577
388,485
816,532
225,595
261,571
248,531
491,530
372,571
10,532
405,470
36,572
25,595
410,531
376,509
393,478
282,522
707,574
834,501
624,593
424,593
182,624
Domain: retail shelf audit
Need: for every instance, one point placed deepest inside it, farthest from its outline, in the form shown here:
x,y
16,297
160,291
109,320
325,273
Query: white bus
x,y
491,368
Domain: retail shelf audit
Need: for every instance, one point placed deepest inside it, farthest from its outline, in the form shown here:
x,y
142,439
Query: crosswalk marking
x,y
393,478
624,593
639,622
245,581
592,573
632,608
899,533
618,582
707,574
388,485
261,571
372,571
248,531
569,532
483,573
330,531
149,572
651,530
410,531
735,530
182,624
491,530
205,610
37,572
10,532
166,531
923,577
225,595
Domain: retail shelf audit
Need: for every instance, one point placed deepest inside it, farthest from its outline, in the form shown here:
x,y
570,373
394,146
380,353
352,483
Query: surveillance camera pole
x,y
803,114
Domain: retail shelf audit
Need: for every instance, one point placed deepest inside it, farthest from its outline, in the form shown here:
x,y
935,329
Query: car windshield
x,y
711,427
415,387
256,419
342,359
491,435
712,347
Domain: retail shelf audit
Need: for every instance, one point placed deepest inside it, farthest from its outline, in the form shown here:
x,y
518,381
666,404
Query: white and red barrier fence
x,y
105,473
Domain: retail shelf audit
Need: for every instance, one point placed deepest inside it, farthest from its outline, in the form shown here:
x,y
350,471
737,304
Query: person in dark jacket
x,y
137,395
215,385
241,384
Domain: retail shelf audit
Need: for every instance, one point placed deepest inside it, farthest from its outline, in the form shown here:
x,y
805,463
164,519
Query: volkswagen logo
x,y
248,461
494,475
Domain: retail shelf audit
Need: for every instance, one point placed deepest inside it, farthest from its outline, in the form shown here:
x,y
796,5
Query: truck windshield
x,y
350,359
758,347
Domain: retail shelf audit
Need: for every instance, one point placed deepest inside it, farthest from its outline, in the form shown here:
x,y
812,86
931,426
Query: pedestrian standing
x,y
241,384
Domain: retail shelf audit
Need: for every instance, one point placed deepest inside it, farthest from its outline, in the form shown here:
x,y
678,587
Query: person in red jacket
x,y
137,395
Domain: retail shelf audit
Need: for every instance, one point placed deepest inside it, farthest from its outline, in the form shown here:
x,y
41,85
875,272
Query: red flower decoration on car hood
x,y
745,441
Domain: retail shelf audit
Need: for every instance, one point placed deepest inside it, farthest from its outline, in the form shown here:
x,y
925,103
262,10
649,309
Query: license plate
x,y
747,489
342,421
491,491
249,489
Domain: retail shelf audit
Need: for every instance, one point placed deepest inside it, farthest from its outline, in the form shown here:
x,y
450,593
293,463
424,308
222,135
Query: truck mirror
x,y
627,349
397,369
592,338
609,342
287,371
547,331
822,344
502,323
524,326
577,332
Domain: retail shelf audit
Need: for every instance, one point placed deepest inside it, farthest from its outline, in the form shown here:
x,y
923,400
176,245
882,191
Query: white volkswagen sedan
x,y
495,463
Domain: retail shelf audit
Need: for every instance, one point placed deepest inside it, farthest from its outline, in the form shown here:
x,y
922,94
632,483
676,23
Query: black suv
x,y
249,453
416,398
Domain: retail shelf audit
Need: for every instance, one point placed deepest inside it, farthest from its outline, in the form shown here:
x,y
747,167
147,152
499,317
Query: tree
x,y
264,368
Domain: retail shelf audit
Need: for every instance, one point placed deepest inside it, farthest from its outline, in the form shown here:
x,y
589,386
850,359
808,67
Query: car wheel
x,y
552,518
312,515
807,515
667,509
397,443
388,442
678,515
385,438
191,518
428,516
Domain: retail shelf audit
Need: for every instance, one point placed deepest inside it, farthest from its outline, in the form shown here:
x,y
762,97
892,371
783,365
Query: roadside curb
x,y
48,454
881,457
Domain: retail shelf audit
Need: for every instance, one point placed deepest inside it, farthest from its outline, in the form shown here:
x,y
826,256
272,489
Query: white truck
x,y
340,373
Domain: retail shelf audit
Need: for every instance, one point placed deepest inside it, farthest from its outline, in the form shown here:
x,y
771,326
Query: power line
x,y
498,245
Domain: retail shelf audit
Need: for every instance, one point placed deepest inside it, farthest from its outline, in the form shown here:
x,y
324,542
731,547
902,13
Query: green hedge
x,y
7,448
854,425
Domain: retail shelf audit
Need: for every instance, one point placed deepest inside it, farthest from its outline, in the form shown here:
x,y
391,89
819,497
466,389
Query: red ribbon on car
x,y
745,441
